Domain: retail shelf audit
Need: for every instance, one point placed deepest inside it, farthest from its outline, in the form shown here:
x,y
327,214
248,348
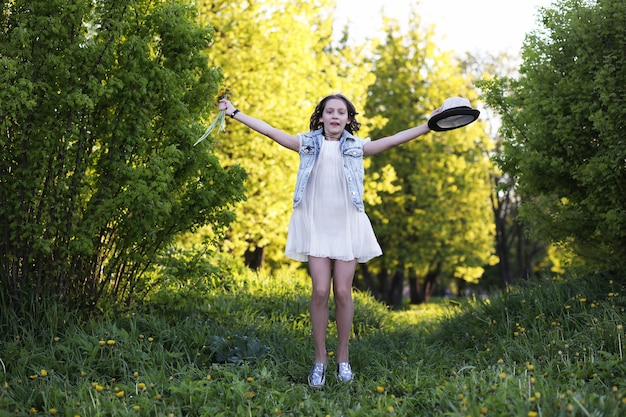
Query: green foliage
x,y
550,347
564,118
100,102
439,216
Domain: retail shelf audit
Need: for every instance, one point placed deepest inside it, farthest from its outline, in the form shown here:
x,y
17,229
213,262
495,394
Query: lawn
x,y
239,345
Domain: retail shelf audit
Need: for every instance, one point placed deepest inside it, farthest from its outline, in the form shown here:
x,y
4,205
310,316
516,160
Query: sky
x,y
491,26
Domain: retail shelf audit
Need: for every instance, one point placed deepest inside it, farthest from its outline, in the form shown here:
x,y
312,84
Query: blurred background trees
x,y
102,102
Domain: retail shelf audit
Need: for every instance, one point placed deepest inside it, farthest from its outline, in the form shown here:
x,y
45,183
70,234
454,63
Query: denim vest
x,y
352,155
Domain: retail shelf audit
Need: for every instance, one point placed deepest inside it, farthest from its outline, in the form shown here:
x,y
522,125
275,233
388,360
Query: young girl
x,y
329,227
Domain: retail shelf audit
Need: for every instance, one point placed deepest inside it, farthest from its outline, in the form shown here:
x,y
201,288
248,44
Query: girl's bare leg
x,y
344,305
320,269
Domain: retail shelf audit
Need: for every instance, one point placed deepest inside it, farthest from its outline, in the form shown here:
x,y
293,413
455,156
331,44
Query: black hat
x,y
456,112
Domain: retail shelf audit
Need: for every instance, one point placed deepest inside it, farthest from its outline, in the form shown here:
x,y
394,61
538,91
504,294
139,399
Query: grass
x,y
241,346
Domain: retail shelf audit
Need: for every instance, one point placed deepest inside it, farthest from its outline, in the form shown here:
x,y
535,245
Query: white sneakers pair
x,y
317,376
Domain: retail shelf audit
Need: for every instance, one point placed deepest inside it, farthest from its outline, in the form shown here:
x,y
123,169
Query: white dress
x,y
326,223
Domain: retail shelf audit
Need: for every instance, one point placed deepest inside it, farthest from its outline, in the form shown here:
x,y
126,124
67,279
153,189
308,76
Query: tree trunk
x,y
397,287
431,279
254,258
415,291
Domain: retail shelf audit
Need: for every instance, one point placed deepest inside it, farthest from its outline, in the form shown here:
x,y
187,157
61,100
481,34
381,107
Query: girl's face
x,y
335,118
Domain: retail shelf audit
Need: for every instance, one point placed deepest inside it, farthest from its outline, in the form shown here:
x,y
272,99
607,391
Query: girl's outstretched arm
x,y
381,145
284,139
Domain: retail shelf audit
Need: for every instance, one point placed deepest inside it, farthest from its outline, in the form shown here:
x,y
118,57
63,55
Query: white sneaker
x,y
317,376
344,372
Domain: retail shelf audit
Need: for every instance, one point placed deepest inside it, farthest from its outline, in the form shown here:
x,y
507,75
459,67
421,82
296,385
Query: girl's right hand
x,y
225,104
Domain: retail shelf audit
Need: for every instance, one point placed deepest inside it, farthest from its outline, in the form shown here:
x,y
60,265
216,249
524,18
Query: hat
x,y
456,112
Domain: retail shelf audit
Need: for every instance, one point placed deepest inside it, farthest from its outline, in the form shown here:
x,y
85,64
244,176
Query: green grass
x,y
240,345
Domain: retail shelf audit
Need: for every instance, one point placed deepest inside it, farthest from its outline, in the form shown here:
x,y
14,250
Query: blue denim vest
x,y
352,155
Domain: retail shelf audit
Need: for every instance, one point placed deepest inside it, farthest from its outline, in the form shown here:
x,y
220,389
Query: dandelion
x,y
57,339
150,339
136,374
249,394
331,353
52,411
208,377
483,410
570,408
250,379
532,414
567,307
141,386
503,375
380,389
43,372
110,342
33,410
500,361
530,366
120,394
390,409
83,374
136,408
158,397
102,343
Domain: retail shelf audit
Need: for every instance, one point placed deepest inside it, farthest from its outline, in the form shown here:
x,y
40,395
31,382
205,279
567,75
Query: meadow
x,y
237,343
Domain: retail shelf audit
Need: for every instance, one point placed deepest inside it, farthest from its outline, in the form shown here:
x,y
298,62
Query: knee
x,y
320,296
343,296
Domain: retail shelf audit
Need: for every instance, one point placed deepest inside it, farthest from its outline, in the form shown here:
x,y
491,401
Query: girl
x,y
329,227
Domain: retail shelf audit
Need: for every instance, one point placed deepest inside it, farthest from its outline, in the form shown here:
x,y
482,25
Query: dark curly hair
x,y
353,126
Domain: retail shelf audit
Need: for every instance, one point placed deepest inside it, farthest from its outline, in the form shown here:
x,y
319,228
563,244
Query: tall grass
x,y
239,344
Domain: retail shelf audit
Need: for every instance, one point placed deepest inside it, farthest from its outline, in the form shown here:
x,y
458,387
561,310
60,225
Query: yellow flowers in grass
x,y
380,389
120,394
43,373
250,379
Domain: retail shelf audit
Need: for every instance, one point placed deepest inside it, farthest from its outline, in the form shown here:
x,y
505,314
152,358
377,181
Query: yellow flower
x,y
53,411
33,410
102,343
141,386
530,367
503,375
500,361
249,379
532,414
43,372
483,410
120,394
83,374
568,307
110,342
390,409
158,397
56,339
249,394
136,407
208,377
380,389
150,339
135,374
331,353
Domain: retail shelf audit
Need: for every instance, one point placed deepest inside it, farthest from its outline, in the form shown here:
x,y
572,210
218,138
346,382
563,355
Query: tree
x,y
98,174
438,222
564,119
